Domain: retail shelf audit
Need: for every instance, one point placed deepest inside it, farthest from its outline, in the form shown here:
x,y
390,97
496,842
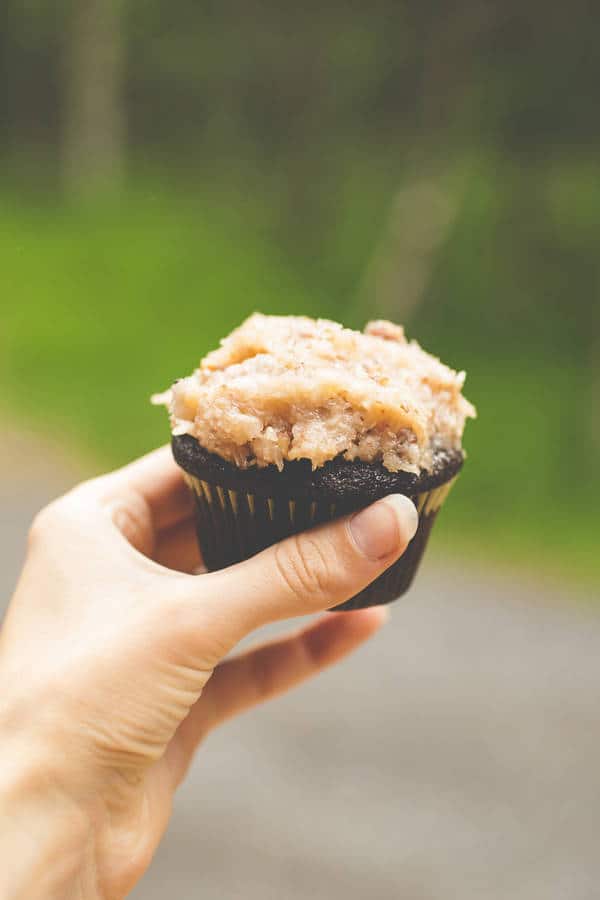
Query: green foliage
x,y
109,305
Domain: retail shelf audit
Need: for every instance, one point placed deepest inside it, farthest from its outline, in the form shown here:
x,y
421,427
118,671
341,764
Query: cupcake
x,y
293,421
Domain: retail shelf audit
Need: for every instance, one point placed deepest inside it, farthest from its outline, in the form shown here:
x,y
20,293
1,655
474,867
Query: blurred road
x,y
454,757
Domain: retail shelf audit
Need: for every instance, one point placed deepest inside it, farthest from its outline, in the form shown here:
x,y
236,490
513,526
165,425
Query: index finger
x,y
159,481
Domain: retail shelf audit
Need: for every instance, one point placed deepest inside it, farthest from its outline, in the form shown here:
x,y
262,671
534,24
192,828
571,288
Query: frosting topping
x,y
290,387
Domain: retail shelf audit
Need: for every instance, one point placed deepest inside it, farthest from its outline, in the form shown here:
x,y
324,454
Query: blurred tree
x,y
94,123
422,214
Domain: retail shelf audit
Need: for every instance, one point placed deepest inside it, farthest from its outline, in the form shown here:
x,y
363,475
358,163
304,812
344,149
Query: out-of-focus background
x,y
166,169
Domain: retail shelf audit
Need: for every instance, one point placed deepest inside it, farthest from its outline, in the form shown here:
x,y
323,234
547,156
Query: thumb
x,y
314,570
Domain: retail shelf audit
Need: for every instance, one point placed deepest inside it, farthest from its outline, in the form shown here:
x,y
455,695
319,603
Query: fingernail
x,y
385,527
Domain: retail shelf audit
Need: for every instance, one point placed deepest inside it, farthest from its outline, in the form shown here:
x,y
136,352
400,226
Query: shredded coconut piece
x,y
288,387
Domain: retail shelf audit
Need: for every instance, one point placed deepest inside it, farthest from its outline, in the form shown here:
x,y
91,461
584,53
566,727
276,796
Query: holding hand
x,y
111,668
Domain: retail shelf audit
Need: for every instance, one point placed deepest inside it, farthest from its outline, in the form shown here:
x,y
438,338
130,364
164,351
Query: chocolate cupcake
x,y
293,422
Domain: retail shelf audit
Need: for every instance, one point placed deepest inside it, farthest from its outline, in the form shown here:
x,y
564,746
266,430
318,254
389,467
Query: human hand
x,y
112,672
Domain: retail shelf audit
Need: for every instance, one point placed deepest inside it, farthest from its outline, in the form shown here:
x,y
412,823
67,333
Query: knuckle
x,y
134,519
304,567
44,523
65,515
263,679
310,650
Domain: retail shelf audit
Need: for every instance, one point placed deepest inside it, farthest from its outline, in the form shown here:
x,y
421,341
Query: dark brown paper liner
x,y
233,525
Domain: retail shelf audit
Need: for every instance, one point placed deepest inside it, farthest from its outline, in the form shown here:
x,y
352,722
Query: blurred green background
x,y
169,168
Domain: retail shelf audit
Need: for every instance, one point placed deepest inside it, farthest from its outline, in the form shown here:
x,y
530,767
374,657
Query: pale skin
x,y
113,669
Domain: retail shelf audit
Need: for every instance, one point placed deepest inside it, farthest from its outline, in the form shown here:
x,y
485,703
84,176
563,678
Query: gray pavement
x,y
454,757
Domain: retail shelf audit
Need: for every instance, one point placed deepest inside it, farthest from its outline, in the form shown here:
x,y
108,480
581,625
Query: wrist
x,y
45,837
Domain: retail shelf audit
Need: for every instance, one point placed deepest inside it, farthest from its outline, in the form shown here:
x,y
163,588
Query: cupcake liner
x,y
233,524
